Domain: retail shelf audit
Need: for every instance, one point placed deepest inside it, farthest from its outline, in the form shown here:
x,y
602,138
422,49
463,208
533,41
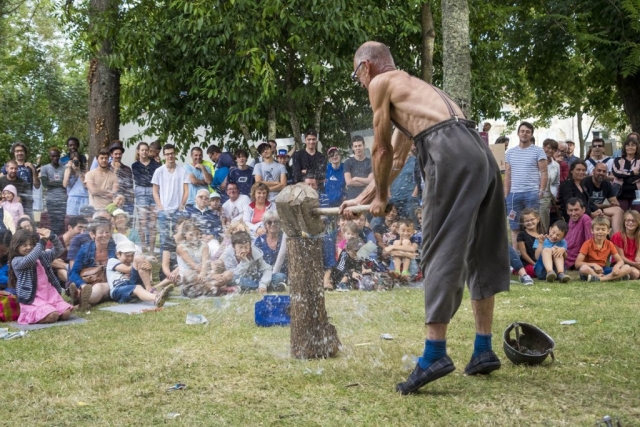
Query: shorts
x,y
74,203
144,196
463,215
518,202
123,293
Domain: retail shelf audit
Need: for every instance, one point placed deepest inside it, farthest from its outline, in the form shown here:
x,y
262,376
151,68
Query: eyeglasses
x,y
598,146
272,222
354,75
632,221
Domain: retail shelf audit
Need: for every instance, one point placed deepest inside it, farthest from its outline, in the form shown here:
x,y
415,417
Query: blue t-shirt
x,y
243,178
334,184
547,244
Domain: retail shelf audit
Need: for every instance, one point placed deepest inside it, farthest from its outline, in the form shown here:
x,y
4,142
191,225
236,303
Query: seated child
x,y
348,231
11,204
530,230
551,250
190,250
403,250
245,265
36,284
595,252
118,203
349,272
516,265
125,282
5,243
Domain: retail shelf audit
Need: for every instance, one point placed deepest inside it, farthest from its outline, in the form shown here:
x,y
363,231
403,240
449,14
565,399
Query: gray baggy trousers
x,y
464,235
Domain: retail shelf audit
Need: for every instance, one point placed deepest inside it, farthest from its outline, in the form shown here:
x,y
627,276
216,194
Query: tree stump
x,y
312,336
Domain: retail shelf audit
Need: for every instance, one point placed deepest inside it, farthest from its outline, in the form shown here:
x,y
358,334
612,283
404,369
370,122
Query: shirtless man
x,y
464,233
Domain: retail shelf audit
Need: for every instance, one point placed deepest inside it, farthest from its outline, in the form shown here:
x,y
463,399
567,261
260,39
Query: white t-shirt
x,y
235,210
270,172
115,278
170,186
591,164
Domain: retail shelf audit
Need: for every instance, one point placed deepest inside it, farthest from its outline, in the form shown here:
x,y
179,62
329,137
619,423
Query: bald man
x,y
464,233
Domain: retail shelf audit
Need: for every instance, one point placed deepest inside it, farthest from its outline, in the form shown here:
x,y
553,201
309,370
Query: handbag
x,y
9,308
91,275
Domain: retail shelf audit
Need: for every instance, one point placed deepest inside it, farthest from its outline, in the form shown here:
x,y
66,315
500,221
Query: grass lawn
x,y
115,369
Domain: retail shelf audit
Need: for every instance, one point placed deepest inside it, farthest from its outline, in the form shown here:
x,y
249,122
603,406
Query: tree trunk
x,y
581,150
456,55
271,123
245,131
317,117
428,41
104,86
290,102
629,90
312,336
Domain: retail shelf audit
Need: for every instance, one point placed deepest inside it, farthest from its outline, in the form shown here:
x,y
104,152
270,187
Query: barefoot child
x,y
595,252
403,250
551,250
530,230
31,274
125,280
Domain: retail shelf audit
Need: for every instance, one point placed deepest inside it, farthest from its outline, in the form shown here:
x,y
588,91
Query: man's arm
x,y
94,189
156,197
507,179
544,176
34,174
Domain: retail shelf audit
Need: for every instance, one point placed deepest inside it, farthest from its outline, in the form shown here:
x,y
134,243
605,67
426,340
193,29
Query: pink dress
x,y
46,301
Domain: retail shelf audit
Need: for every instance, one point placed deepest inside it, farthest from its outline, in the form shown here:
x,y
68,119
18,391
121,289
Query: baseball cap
x,y
331,150
214,194
119,212
87,210
282,152
126,246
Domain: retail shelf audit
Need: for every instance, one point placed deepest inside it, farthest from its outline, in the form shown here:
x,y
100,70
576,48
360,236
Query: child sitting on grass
x,y
349,272
33,278
125,282
403,250
551,250
595,252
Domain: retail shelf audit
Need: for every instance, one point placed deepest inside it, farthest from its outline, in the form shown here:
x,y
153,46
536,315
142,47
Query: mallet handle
x,y
358,209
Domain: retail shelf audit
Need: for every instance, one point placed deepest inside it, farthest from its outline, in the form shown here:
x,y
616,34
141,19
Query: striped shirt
x,y
525,175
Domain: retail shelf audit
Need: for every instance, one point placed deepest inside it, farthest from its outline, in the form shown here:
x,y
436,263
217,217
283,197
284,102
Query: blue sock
x,y
433,350
482,344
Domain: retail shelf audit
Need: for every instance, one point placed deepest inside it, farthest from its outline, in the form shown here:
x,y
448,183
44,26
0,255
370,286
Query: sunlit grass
x,y
115,369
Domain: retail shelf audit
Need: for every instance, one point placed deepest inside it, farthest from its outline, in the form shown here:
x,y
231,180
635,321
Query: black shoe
x,y
421,377
483,364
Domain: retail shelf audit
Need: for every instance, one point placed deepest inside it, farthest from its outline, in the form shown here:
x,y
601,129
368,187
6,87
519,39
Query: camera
x,y
76,162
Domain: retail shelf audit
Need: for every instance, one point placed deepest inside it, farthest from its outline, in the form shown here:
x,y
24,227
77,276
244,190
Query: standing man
x,y
357,169
73,144
334,183
569,156
52,176
242,175
272,173
428,116
199,175
550,146
525,178
101,182
26,172
309,160
170,191
124,174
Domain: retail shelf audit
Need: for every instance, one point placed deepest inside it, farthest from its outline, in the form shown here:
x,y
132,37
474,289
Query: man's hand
x,y
378,207
346,213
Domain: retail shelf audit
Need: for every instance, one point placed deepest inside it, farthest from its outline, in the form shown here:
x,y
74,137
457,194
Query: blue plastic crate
x,y
273,310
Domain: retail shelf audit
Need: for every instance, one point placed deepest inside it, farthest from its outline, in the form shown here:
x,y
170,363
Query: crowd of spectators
x,y
210,225
556,201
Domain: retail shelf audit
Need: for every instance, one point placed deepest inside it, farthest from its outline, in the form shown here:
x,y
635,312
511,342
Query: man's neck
x,y
595,182
103,170
171,166
20,162
311,151
269,160
359,158
600,157
12,179
525,144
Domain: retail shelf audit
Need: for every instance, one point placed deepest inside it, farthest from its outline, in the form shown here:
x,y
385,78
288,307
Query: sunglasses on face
x,y
272,222
598,146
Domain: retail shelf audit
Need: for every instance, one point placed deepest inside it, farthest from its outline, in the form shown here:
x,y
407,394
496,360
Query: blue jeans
x,y
166,222
518,202
514,259
248,284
